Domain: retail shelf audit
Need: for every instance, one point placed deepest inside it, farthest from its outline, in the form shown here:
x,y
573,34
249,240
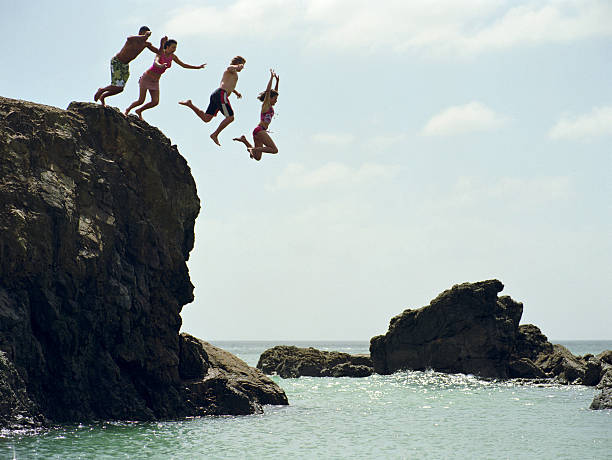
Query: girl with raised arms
x,y
262,140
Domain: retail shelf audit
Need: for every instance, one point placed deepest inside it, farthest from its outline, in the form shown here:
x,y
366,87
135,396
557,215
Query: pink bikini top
x,y
266,117
163,59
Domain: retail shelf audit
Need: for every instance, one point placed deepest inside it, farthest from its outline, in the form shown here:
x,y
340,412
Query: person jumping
x,y
262,140
219,99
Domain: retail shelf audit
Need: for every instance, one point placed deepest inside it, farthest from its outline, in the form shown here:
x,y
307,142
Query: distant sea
x,y
412,415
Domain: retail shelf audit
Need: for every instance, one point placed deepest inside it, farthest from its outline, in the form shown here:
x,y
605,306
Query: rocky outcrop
x,y
466,329
97,215
16,408
218,382
293,362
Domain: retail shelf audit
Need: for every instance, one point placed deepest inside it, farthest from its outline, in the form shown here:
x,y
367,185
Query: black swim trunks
x,y
219,101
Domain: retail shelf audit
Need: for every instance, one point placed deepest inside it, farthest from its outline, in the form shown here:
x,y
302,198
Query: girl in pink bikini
x,y
150,79
262,140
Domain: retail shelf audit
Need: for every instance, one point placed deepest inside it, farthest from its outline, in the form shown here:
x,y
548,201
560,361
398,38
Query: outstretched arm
x,y
277,79
186,66
266,101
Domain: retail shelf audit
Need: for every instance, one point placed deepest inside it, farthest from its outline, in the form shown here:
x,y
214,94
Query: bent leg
x,y
141,99
107,91
263,144
214,136
205,117
150,105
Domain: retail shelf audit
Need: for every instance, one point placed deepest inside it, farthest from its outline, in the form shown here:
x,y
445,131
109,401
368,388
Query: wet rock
x,y
466,329
562,364
525,368
229,385
293,362
603,400
97,215
16,408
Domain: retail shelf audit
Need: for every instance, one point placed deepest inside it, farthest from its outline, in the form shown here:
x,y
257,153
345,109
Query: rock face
x,y
97,216
469,329
293,362
219,383
466,329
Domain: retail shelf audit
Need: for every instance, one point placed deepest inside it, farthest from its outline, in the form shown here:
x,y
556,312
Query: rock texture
x,y
97,216
466,329
293,362
469,329
218,382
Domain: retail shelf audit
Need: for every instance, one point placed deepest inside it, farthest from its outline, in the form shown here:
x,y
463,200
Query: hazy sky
x,y
422,144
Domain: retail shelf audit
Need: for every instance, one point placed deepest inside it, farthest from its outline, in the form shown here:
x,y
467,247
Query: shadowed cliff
x,y
97,216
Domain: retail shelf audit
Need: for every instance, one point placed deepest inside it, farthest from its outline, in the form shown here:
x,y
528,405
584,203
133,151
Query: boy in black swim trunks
x,y
219,99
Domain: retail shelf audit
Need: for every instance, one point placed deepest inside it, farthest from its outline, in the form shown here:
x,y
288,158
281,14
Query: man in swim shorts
x,y
120,63
219,99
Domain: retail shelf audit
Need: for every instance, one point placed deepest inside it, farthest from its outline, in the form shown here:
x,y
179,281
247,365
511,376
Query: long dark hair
x,y
262,95
170,42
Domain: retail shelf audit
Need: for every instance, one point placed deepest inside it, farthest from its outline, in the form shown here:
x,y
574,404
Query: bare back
x,y
229,80
132,48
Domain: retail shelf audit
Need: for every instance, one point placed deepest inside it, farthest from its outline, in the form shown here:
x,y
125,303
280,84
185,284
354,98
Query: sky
x,y
422,144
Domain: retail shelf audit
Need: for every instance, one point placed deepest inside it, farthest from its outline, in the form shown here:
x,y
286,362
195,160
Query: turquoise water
x,y
405,415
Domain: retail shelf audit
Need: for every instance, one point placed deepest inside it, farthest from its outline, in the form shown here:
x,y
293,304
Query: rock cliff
x,y
469,329
97,215
466,329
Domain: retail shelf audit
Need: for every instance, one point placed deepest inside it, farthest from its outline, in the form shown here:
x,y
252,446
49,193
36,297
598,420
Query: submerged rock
x,y
97,215
293,362
466,329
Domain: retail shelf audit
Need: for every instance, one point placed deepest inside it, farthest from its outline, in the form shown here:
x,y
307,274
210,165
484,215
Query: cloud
x,y
297,176
333,139
431,27
598,123
461,119
519,193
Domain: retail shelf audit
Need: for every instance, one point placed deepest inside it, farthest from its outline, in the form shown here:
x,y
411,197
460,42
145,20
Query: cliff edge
x,y
97,215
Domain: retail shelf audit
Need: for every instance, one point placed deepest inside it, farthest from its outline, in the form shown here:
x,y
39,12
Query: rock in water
x,y
97,215
466,329
292,362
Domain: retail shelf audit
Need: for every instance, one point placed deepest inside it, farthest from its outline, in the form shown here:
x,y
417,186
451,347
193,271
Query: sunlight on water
x,y
404,415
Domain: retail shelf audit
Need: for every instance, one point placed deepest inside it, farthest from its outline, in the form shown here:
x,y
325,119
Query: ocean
x,y
407,415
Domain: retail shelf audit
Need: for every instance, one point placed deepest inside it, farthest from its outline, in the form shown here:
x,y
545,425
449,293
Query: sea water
x,y
408,414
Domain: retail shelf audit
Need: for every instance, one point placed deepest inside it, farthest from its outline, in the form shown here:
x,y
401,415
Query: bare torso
x,y
132,48
228,81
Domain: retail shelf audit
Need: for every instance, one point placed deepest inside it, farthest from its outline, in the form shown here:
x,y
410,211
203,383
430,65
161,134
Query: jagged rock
x,y
466,329
592,372
97,215
229,385
525,368
530,343
605,357
293,362
562,364
603,400
16,408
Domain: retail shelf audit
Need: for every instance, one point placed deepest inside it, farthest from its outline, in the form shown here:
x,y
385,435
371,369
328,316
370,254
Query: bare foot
x,y
213,136
127,111
97,95
250,149
188,103
102,101
240,139
139,113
